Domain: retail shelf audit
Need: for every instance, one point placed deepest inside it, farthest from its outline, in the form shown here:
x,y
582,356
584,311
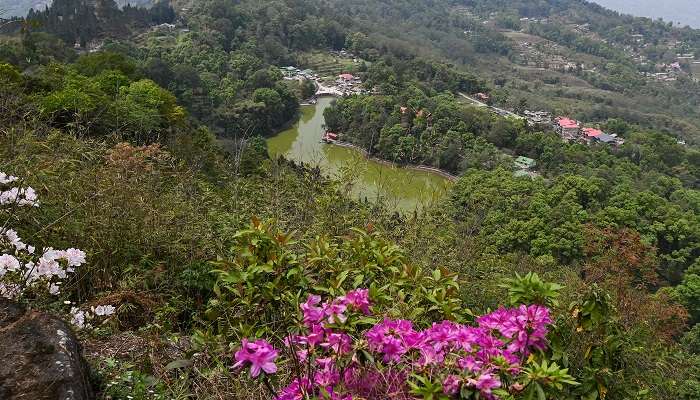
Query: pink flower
x,y
312,314
485,383
335,311
297,390
451,385
393,338
359,299
260,354
340,343
327,375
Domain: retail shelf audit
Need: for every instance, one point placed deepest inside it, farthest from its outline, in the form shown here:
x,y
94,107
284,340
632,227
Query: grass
x,y
325,64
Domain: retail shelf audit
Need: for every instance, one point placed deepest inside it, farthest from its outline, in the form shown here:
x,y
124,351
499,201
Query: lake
x,y
400,188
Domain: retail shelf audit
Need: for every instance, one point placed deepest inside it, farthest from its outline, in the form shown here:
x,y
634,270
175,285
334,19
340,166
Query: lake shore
x,y
426,168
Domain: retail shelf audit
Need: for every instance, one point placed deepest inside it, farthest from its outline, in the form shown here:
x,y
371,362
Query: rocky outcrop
x,y
41,357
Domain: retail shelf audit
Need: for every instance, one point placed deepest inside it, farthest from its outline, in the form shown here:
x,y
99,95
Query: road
x,y
496,110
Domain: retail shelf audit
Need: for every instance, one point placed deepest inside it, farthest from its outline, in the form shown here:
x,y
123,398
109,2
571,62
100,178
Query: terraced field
x,y
327,65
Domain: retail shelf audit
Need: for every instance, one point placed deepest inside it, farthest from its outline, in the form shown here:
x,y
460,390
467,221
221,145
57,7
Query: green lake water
x,y
400,188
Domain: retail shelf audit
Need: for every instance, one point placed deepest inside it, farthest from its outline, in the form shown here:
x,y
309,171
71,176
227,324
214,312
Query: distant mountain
x,y
687,12
20,8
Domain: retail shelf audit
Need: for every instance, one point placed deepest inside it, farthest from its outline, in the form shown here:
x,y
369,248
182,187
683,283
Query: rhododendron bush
x,y
23,268
341,351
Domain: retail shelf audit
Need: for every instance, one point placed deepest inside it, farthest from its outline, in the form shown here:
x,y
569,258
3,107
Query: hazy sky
x,y
685,11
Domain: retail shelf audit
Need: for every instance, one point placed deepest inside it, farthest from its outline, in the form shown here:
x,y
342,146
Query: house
x,y
568,129
525,163
483,97
347,77
605,138
535,118
590,133
329,137
289,72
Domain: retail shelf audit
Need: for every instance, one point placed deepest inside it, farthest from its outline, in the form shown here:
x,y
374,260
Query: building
x,y
568,129
590,133
605,138
290,71
535,118
525,163
483,97
330,137
346,77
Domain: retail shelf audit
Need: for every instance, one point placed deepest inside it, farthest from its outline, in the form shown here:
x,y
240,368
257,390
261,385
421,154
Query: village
x,y
334,81
345,84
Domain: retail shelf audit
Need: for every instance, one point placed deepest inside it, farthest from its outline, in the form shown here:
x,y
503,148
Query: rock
x,y
41,357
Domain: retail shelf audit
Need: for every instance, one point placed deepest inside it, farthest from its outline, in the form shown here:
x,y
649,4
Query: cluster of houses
x,y
572,131
344,85
532,55
569,129
345,54
349,83
294,73
665,72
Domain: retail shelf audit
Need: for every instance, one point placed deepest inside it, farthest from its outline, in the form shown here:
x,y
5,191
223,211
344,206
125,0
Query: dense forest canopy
x,y
137,135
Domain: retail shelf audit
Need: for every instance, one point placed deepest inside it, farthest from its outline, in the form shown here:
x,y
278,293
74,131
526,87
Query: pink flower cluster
x,y
334,312
474,358
20,266
498,344
259,354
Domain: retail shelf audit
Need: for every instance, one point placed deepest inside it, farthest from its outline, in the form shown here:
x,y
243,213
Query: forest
x,y
198,267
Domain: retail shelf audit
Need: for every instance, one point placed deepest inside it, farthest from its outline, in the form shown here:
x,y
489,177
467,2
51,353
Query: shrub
x,y
390,359
262,278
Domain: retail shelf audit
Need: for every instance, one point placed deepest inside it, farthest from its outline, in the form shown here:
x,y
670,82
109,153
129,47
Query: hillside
x,y
140,204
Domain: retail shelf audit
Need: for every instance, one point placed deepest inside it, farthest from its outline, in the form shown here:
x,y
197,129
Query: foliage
x,y
264,279
414,128
530,289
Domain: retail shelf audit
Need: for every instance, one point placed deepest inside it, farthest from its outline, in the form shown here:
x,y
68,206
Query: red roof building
x,y
330,136
568,123
569,129
592,132
346,77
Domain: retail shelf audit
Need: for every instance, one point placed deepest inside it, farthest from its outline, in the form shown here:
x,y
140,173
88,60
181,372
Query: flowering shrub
x,y
22,268
80,318
496,358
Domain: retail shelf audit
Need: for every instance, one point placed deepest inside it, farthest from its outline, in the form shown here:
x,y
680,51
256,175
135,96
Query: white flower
x,y
8,263
104,311
75,257
9,196
54,289
14,239
30,197
49,268
77,318
5,179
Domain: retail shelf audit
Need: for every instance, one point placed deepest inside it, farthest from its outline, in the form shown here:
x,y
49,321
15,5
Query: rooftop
x,y
592,132
567,123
